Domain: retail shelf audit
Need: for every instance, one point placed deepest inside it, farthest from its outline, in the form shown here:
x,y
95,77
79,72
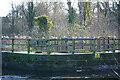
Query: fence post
x,y
82,43
108,42
12,45
1,43
94,46
48,51
114,45
118,43
73,46
28,46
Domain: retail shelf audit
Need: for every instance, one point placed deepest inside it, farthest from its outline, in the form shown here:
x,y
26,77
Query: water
x,y
9,74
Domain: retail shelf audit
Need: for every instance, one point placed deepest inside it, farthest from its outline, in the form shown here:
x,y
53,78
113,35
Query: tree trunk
x,y
98,12
69,6
80,5
118,24
119,37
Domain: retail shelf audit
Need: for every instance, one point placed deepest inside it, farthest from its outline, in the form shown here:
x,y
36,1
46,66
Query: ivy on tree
x,y
44,25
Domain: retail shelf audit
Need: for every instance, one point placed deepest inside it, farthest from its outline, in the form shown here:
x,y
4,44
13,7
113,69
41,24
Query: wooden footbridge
x,y
63,55
83,45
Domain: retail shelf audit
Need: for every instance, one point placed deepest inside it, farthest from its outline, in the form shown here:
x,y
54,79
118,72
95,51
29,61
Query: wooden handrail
x,y
110,44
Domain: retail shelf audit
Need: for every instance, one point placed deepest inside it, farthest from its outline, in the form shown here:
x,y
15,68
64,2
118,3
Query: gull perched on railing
x,y
56,37
29,37
80,37
88,37
73,37
114,36
76,37
16,37
6,36
24,37
43,37
2,36
64,37
53,37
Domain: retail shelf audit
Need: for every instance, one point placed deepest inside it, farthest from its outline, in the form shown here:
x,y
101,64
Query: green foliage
x,y
44,25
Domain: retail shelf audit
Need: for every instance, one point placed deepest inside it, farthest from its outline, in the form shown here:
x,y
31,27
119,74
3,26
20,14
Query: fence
x,y
61,45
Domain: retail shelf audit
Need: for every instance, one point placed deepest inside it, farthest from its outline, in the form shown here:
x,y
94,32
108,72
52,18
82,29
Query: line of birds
x,y
24,37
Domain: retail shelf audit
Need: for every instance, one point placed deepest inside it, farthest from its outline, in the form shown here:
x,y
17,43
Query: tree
x,y
71,16
86,12
80,6
58,17
44,26
75,27
113,11
29,14
118,15
69,11
10,22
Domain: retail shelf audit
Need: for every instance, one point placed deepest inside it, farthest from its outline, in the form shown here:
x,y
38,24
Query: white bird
x,y
21,36
7,37
64,37
76,37
16,36
29,37
88,37
24,37
80,37
94,37
43,37
98,37
114,36
53,37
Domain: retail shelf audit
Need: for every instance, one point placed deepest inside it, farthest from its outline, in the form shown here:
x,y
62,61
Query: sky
x,y
5,6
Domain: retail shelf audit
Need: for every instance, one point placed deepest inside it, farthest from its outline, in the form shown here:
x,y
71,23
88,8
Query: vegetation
x,y
44,25
55,19
71,17
29,15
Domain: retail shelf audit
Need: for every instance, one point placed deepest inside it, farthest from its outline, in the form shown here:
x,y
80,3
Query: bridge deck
x,y
56,53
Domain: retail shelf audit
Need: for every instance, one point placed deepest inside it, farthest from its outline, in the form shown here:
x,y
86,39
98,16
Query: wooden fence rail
x,y
61,45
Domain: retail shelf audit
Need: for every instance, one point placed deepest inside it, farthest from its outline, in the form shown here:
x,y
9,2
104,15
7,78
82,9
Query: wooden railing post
x,y
48,51
118,43
94,46
1,43
28,45
73,46
114,45
12,45
82,43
